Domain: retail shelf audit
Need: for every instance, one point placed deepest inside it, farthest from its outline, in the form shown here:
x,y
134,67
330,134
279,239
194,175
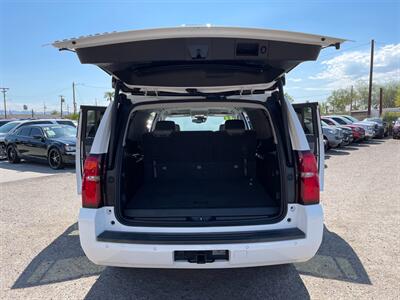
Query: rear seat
x,y
234,150
157,148
171,154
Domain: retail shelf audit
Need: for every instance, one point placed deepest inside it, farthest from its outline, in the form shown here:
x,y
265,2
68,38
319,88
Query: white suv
x,y
199,162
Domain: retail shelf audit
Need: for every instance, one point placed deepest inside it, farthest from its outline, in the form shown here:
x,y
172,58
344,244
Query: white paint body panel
x,y
307,218
78,162
196,32
94,221
300,143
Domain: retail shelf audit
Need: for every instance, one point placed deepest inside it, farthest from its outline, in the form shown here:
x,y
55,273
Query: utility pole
x,y
44,108
371,68
61,105
32,113
380,101
4,91
73,97
351,99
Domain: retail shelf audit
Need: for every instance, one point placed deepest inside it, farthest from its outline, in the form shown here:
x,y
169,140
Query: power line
x,y
386,43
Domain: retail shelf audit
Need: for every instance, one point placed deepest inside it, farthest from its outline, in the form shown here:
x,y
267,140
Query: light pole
x,y
62,100
4,91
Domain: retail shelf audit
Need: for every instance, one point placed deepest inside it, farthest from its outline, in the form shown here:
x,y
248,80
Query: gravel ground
x,y
359,257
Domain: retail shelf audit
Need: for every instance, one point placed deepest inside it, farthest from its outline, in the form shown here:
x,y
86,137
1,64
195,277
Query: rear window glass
x,y
200,122
305,117
7,127
93,122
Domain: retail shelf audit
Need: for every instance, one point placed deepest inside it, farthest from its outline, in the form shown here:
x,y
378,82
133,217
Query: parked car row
x,y
51,140
341,130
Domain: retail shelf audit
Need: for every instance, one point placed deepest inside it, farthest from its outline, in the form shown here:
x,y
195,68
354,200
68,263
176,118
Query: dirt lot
x,y
359,257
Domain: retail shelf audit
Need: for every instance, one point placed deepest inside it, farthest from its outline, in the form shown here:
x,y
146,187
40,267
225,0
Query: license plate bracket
x,y
201,257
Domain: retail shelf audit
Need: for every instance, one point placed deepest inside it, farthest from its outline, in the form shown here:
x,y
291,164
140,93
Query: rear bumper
x,y
283,242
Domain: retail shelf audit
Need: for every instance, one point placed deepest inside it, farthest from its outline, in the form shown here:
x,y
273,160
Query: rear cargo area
x,y
200,194
229,173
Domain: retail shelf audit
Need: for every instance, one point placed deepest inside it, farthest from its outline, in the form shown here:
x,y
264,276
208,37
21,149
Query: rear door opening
x,y
154,165
205,163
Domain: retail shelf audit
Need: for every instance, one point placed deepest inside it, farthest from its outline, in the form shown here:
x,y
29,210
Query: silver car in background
x,y
368,126
333,136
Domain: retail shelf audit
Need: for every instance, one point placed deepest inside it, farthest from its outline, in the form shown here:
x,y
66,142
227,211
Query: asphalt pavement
x,y
359,257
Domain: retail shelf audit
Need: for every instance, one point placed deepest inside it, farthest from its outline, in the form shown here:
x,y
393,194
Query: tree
x,y
339,100
73,116
25,107
397,101
391,91
54,113
288,97
323,108
108,96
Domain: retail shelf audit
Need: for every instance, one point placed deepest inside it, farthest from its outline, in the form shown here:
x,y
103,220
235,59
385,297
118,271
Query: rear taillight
x,y
309,178
91,182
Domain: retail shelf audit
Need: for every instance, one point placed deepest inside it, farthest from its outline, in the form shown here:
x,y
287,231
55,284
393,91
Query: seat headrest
x,y
234,126
164,128
222,127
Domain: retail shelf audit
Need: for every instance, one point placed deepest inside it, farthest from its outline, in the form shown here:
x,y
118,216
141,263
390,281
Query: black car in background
x,y
44,142
9,127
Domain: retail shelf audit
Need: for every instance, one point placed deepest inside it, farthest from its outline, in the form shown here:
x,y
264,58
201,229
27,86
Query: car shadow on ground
x,y
64,260
61,261
37,167
337,151
350,148
362,144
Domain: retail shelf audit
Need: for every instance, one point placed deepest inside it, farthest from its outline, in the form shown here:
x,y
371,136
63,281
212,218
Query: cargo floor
x,y
201,194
